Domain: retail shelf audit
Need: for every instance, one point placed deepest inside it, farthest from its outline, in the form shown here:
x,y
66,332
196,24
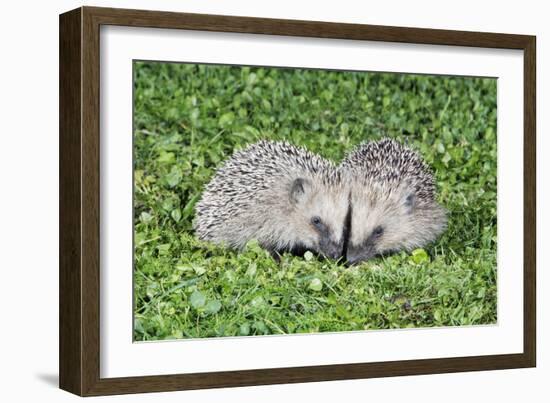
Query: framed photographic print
x,y
249,201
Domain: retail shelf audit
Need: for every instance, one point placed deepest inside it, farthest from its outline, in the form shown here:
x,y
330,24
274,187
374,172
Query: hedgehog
x,y
393,203
285,197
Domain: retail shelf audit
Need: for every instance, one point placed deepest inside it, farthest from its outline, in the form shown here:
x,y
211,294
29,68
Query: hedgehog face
x,y
385,221
319,212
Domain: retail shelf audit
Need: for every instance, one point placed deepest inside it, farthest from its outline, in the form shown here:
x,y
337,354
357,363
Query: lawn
x,y
189,118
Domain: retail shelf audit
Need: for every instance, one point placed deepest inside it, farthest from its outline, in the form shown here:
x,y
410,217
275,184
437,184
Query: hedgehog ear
x,y
298,190
410,202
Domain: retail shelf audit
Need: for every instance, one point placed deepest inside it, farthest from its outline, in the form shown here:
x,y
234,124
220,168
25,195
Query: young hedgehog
x,y
285,197
392,201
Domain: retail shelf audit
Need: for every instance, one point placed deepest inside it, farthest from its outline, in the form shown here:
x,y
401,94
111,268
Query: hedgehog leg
x,y
275,255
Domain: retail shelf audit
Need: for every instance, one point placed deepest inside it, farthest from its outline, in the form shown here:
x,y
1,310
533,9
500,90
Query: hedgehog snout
x,y
334,252
331,249
358,254
352,260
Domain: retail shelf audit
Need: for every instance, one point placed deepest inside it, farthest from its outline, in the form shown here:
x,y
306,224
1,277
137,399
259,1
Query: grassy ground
x,y
189,118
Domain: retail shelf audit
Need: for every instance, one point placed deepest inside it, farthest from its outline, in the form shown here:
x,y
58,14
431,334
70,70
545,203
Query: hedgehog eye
x,y
316,221
378,231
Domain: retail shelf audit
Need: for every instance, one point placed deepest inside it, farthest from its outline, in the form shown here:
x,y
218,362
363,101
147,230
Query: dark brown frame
x,y
79,201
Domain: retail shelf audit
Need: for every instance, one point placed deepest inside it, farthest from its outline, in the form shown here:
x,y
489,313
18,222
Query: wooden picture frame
x,y
79,346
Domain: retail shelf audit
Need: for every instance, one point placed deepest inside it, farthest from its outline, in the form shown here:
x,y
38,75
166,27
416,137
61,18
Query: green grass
x,y
189,118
